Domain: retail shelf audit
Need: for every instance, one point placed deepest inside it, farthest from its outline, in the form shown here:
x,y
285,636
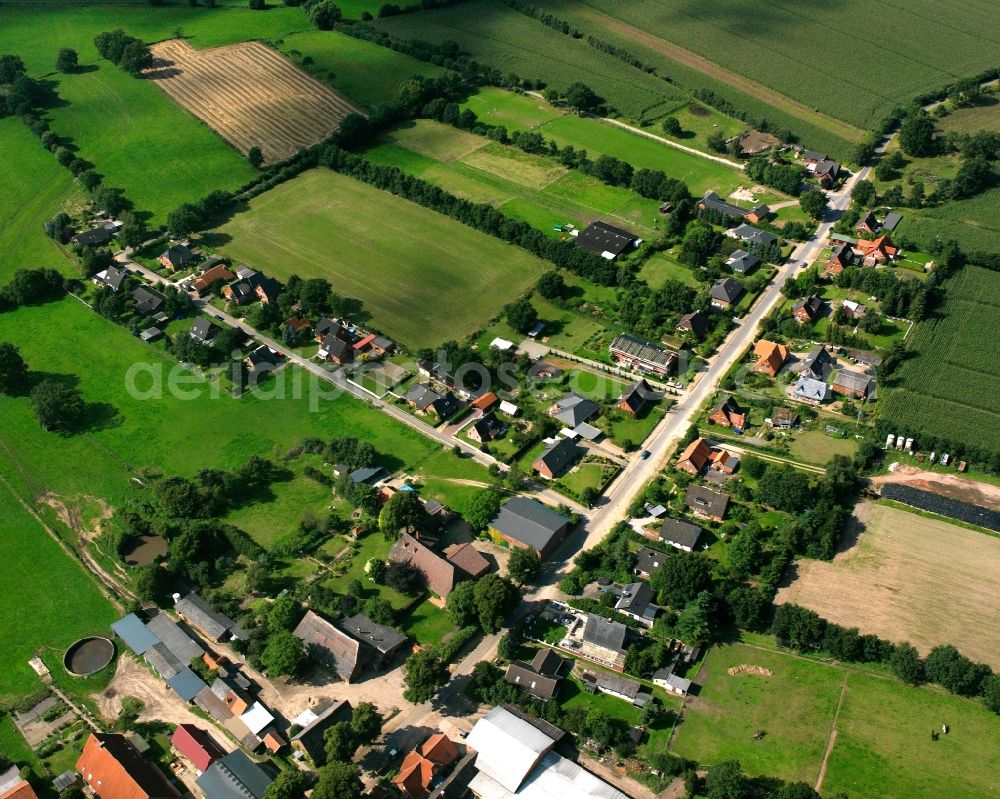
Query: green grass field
x,y
970,120
37,617
503,38
973,223
922,45
949,387
513,111
36,187
882,749
529,187
173,434
423,277
598,138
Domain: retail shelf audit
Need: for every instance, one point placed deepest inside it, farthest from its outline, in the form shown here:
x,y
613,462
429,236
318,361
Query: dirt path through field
x,y
833,735
713,70
964,489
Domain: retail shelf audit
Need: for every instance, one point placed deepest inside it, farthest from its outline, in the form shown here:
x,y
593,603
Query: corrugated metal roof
x,y
186,684
508,747
555,778
184,648
133,632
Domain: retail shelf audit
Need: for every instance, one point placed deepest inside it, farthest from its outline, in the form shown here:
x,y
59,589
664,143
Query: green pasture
x,y
422,276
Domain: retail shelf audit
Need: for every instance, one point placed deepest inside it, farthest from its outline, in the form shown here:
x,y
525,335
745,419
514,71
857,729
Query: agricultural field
x,y
364,72
422,276
512,110
776,46
972,222
40,619
35,188
501,37
882,748
267,102
909,578
533,188
948,387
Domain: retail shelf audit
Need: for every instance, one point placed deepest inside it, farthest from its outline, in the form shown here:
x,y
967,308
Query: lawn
x,y
599,138
36,187
512,42
584,476
623,427
882,748
948,386
573,695
661,267
49,599
533,188
816,447
422,276
427,624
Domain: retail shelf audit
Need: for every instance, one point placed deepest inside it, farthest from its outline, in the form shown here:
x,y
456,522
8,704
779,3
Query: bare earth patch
x,y
910,578
250,95
986,495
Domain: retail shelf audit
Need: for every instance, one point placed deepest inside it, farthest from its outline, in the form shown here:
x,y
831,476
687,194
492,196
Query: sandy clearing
x,y
910,578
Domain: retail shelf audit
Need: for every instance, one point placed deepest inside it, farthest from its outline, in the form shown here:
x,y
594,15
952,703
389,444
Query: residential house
x,y
111,278
808,309
724,461
381,345
758,213
634,353
441,574
524,522
573,410
515,758
298,324
147,301
113,769
263,359
382,642
556,458
217,273
695,457
177,257
314,722
742,262
868,223
635,398
827,172
423,768
485,402
647,561
466,558
843,256
201,330
705,502
725,292
770,357
93,237
336,347
150,334
619,687
728,413
695,323
607,240
239,293
367,475
487,428
196,745
818,364
425,400
755,142
680,534
811,391
603,641
541,677
854,384
877,251
812,157
212,624
751,235
713,202
13,786
636,602
234,776
853,309
266,288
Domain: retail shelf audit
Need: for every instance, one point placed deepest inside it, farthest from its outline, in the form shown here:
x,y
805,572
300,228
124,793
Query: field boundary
x,y
832,741
750,87
675,145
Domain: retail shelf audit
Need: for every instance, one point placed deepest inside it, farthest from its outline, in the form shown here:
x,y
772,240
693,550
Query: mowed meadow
x,y
871,732
137,137
423,277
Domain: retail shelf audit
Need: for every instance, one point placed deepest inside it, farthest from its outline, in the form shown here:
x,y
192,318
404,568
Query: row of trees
x,y
129,53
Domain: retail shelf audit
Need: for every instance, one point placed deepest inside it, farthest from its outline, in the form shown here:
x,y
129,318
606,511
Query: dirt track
x,y
910,578
986,495
250,95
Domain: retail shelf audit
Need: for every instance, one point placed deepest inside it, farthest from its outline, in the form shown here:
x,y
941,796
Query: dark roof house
x,y
234,776
556,458
607,240
647,561
725,291
680,534
573,409
526,522
706,502
147,301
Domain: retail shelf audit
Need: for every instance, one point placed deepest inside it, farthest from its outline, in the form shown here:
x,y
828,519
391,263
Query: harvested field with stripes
x,y
250,95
